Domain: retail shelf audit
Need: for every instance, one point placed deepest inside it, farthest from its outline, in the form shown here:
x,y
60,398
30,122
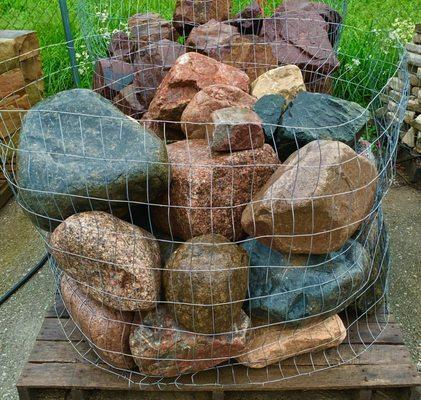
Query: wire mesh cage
x,y
213,205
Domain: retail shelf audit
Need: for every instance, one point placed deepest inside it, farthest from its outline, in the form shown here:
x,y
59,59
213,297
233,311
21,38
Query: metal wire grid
x,y
384,128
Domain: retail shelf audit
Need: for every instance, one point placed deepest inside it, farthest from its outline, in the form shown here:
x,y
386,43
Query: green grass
x,y
367,59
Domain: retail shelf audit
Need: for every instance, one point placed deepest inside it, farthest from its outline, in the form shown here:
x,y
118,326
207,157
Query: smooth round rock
x,y
115,262
78,152
293,288
209,273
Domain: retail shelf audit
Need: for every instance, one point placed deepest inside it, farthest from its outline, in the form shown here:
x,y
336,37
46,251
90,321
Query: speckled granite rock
x,y
161,347
270,108
296,288
149,28
202,273
249,21
191,73
269,345
191,13
315,201
286,81
235,129
209,191
313,116
196,120
73,156
115,262
107,329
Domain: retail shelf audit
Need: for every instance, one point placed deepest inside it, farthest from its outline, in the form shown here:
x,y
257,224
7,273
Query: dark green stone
x,y
77,152
295,288
318,116
269,108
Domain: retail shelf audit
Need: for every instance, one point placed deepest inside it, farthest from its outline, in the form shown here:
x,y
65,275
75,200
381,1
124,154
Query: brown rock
x,y
272,344
115,262
150,28
128,102
161,347
120,46
209,191
205,279
236,128
301,38
191,13
168,132
111,76
315,201
191,73
197,117
163,53
147,79
107,329
249,21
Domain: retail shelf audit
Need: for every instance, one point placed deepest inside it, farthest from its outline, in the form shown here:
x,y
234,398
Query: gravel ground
x,y
21,317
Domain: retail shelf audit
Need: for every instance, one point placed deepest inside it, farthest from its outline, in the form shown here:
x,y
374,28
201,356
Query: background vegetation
x,y
367,51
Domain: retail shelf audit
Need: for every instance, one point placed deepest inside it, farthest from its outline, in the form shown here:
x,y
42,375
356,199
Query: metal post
x,y
70,42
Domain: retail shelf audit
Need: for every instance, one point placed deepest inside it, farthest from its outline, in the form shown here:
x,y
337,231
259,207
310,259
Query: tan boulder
x,y
107,329
315,201
272,344
286,81
210,190
191,73
115,262
196,120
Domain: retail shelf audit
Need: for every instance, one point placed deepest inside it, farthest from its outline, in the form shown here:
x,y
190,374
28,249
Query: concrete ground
x,y
21,317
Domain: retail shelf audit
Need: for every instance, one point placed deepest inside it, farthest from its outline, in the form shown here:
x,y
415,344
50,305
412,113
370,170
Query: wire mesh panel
x,y
213,205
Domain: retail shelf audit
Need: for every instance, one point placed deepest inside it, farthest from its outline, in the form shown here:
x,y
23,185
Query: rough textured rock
x,y
296,288
236,128
120,46
331,16
196,120
224,43
163,53
270,345
167,131
270,108
375,239
150,28
115,262
286,81
191,13
313,116
92,157
108,330
301,38
209,191
129,101
160,347
205,280
147,78
249,21
315,201
111,76
191,73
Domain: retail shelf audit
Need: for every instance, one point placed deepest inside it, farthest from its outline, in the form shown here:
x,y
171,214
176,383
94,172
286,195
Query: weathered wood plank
x,y
63,352
84,376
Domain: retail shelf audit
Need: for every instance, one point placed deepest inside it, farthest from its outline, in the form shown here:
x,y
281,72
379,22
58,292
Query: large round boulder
x,y
77,152
291,288
106,329
115,262
315,201
206,281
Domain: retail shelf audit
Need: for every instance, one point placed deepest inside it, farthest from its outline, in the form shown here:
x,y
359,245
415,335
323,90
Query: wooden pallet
x,y
55,365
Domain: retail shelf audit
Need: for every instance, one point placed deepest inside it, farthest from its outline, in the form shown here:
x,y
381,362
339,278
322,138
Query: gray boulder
x,y
77,152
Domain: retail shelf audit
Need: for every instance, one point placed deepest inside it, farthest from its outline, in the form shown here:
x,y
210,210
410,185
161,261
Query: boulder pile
x,y
248,191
